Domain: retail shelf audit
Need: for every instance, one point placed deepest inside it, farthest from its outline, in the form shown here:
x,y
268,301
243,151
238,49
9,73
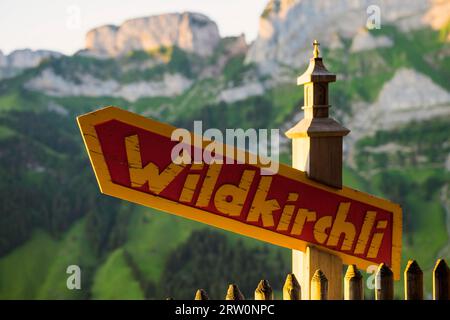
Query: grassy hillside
x,y
153,239
25,270
114,279
37,269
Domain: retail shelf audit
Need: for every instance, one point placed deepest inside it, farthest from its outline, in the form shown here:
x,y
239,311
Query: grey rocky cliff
x,y
438,15
288,27
192,32
19,60
364,40
55,85
408,96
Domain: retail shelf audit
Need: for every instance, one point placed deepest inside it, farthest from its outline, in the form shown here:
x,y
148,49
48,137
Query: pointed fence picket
x,y
353,285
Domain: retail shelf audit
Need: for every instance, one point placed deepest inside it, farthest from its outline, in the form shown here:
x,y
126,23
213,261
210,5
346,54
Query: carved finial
x,y
316,45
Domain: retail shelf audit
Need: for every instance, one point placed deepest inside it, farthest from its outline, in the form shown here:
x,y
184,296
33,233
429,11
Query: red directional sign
x,y
131,157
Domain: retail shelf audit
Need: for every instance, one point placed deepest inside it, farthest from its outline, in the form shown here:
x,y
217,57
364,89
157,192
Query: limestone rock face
x,y
232,47
438,15
18,60
26,58
288,27
192,32
408,96
55,85
242,92
364,40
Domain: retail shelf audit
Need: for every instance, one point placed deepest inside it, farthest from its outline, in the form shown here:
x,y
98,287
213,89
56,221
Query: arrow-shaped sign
x,y
131,157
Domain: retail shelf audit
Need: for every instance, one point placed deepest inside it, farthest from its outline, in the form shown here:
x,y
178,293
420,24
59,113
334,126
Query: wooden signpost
x,y
328,224
317,150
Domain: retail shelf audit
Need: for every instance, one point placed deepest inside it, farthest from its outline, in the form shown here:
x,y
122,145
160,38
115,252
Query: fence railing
x,y
353,285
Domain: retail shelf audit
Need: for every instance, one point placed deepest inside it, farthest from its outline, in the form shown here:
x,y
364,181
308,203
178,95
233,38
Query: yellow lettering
x,y
303,215
363,238
341,226
157,181
261,207
229,199
285,219
320,227
189,187
376,240
286,215
208,185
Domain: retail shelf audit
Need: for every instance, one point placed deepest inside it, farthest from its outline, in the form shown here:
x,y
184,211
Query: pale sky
x,y
61,25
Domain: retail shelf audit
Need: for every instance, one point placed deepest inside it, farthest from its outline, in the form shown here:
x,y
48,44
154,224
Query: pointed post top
x,y
412,267
319,286
384,283
413,281
384,270
441,280
263,286
319,276
441,267
233,293
353,284
264,291
201,295
316,71
352,272
321,156
316,52
291,288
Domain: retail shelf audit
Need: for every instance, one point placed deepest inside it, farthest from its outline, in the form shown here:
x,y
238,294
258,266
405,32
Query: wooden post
x,y
353,284
384,283
233,293
201,295
317,150
441,278
291,288
413,281
263,291
319,286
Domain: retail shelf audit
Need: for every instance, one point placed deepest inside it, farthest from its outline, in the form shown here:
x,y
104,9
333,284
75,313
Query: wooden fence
x,y
353,285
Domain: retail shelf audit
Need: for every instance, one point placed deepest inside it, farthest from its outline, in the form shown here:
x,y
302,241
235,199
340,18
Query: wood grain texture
x,y
413,278
233,293
306,263
291,288
317,150
319,286
353,284
441,279
384,283
263,291
201,295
